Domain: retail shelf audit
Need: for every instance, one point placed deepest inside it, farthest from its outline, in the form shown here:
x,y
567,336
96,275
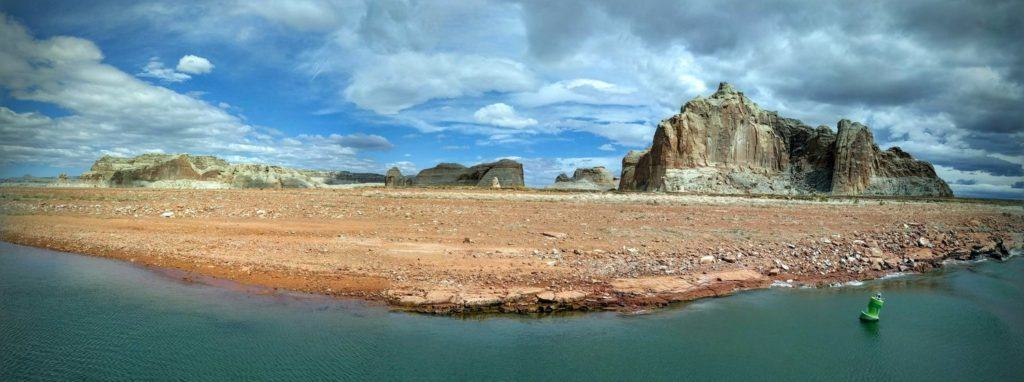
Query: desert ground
x,y
472,250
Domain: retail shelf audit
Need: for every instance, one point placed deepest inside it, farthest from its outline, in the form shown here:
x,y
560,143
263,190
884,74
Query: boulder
x,y
726,143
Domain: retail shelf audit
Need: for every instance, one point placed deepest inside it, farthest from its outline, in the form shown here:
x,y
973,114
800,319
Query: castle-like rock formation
x,y
727,144
509,174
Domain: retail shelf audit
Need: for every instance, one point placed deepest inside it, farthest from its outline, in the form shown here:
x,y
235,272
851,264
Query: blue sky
x,y
362,86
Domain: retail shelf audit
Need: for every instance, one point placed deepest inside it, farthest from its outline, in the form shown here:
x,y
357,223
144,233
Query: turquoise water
x,y
68,317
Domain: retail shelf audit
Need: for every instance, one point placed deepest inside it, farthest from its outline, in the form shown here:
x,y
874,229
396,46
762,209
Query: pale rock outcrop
x,y
592,178
191,171
726,144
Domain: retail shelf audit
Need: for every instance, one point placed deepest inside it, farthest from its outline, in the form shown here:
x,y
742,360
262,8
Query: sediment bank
x,y
452,251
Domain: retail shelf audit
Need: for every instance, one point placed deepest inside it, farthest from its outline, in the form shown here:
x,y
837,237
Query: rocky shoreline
x,y
641,294
437,251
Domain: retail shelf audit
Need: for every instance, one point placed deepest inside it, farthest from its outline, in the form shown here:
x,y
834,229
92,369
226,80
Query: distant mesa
x,y
726,144
586,179
343,177
509,174
205,171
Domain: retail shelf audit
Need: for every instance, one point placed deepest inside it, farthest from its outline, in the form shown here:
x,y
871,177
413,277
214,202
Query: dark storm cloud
x,y
963,58
990,165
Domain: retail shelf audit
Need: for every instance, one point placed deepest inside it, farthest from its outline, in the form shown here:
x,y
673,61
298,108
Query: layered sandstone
x,y
507,172
727,144
587,178
192,171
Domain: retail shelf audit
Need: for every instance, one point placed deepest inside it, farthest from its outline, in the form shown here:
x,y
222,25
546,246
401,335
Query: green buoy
x,y
874,306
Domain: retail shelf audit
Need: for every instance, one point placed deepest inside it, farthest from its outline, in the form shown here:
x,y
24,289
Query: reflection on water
x,y
70,317
870,329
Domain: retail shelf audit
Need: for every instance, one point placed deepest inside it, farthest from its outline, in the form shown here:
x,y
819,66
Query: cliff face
x,y
509,174
727,144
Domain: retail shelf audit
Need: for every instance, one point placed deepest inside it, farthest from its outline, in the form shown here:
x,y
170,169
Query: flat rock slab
x,y
561,297
647,285
554,235
741,275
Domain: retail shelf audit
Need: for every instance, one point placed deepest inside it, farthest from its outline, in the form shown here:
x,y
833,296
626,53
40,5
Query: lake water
x,y
69,317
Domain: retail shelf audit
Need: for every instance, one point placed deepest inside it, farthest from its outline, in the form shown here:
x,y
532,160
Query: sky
x,y
367,85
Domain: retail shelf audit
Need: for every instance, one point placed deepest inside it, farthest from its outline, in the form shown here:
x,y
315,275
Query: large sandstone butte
x,y
192,171
726,144
508,172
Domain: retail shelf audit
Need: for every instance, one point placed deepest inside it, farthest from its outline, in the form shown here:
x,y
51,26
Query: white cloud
x,y
156,69
114,112
606,147
406,167
623,133
399,81
580,90
194,65
304,15
541,172
503,115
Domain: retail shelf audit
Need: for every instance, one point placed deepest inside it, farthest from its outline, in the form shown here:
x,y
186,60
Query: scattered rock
x,y
554,235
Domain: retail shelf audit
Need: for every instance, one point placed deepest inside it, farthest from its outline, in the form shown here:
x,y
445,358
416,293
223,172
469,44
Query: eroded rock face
x,y
589,178
191,171
627,181
727,144
507,173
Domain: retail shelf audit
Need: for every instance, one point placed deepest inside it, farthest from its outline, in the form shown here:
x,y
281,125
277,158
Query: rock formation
x,y
191,171
343,177
508,173
727,144
592,178
394,178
